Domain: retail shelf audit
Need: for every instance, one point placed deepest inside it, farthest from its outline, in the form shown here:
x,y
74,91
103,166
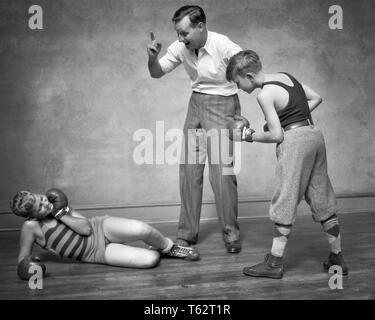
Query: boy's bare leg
x,y
121,255
121,230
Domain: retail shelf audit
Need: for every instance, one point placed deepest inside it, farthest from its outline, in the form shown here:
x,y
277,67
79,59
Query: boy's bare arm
x,y
27,238
275,133
30,233
77,222
313,99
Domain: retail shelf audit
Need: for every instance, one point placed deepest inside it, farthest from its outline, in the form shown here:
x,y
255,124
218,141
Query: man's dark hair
x,y
195,13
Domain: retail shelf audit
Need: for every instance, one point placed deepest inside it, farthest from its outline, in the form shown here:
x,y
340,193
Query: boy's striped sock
x,y
280,239
332,230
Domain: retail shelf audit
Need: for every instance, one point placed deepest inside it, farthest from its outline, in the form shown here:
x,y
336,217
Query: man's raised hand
x,y
154,47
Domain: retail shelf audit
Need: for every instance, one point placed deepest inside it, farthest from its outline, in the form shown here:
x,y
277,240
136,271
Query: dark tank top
x,y
297,108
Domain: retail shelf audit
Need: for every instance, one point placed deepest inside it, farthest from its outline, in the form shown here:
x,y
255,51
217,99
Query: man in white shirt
x,y
214,102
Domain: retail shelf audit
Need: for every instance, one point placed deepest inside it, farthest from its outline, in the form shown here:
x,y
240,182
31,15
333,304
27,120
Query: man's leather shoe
x,y
233,246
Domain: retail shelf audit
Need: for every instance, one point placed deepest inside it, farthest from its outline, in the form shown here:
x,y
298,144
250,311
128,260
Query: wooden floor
x,y
218,275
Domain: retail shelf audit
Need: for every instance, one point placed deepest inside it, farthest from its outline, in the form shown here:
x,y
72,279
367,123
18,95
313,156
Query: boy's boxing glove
x,y
23,268
239,129
59,201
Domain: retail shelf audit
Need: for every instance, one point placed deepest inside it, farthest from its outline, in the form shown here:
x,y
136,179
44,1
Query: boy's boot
x,y
272,267
336,260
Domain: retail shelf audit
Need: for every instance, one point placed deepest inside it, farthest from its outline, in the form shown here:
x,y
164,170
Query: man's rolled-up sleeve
x,y
171,59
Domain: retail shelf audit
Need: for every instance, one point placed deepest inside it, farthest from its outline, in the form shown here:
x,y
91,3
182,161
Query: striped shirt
x,y
65,242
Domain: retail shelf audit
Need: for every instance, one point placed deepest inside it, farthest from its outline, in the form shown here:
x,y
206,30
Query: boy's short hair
x,y
22,203
195,13
243,62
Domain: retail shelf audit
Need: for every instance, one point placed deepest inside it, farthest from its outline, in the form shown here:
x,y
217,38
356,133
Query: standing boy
x,y
301,169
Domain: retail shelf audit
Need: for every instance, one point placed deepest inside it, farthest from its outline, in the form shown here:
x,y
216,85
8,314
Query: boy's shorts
x,y
301,171
96,254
